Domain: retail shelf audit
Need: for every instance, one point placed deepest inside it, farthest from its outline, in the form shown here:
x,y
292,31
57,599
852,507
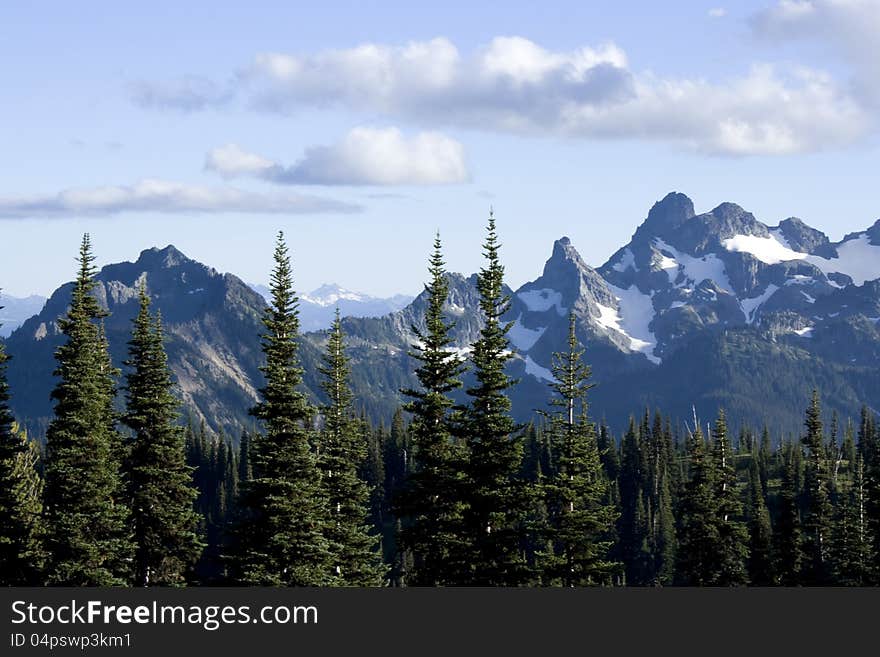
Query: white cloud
x,y
849,28
365,156
230,161
514,85
717,12
161,196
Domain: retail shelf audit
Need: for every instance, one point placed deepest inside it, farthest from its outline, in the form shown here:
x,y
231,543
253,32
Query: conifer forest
x,y
127,488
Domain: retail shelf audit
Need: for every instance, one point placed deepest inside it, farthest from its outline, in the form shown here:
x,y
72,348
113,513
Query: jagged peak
x,y
168,256
563,253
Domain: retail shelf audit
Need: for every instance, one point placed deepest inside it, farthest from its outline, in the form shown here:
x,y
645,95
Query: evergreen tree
x,y
817,505
580,520
732,550
20,492
632,526
161,491
698,533
760,564
355,552
788,542
280,538
431,503
852,546
499,501
87,540
244,459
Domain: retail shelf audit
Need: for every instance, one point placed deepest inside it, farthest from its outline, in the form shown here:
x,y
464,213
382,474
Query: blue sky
x,y
359,128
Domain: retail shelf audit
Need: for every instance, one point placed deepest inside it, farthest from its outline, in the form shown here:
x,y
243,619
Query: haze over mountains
x,y
696,311
14,311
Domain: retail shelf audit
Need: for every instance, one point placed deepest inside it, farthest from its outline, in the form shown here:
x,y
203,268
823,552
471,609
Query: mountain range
x,y
696,312
318,308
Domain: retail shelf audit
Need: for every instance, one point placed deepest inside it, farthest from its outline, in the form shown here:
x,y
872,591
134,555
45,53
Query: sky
x,y
361,128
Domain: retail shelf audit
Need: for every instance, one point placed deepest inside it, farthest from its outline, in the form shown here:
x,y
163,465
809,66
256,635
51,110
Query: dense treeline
x,y
126,492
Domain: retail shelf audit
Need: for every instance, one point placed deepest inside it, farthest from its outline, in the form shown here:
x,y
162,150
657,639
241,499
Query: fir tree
x,y
732,550
88,540
788,542
698,532
580,520
760,564
431,502
356,557
161,490
632,527
20,492
852,546
499,502
280,538
817,506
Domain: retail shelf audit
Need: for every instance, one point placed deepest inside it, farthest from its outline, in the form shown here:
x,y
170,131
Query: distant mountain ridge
x,y
696,311
317,308
14,311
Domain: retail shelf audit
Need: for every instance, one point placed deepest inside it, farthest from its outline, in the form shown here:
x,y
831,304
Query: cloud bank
x,y
514,85
365,156
847,28
163,197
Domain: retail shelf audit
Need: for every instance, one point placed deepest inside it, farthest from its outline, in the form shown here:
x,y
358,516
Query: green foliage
x,y
498,497
432,502
343,449
817,504
280,538
579,518
160,487
87,521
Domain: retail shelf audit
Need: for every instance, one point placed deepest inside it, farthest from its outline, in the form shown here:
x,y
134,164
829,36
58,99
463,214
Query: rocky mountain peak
x,y
803,238
668,214
165,258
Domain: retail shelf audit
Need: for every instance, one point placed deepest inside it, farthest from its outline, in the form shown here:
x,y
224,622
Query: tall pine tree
x,y
432,502
580,519
817,505
732,551
343,450
160,483
280,538
87,522
499,500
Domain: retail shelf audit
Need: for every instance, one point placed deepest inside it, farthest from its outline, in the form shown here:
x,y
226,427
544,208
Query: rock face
x,y
697,310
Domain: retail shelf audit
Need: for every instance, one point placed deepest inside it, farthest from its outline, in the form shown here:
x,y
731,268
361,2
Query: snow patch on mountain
x,y
632,319
695,270
769,250
524,338
537,371
542,300
856,257
750,306
626,261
